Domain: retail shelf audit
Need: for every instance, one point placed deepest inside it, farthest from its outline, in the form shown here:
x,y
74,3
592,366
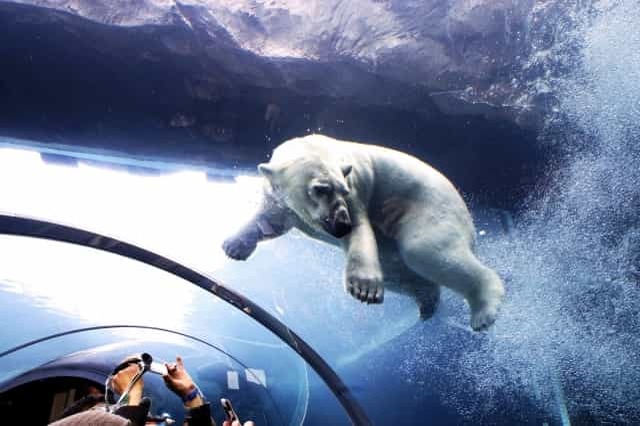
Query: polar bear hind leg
x,y
427,297
454,265
405,281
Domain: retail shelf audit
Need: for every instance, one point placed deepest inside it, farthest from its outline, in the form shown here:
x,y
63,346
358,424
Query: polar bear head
x,y
314,189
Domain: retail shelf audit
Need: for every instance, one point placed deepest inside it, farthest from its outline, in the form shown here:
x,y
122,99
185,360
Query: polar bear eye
x,y
321,190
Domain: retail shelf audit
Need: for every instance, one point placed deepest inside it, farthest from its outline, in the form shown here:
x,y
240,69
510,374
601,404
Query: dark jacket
x,y
132,415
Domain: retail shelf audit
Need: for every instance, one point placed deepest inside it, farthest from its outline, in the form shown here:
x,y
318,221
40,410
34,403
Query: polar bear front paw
x,y
366,286
239,247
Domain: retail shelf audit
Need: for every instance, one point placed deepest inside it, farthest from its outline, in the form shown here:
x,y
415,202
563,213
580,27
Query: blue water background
x,y
566,347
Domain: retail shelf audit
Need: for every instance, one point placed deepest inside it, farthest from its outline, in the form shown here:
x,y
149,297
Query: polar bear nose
x,y
341,224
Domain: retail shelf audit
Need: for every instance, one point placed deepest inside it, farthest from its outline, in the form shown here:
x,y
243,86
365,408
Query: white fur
x,y
412,232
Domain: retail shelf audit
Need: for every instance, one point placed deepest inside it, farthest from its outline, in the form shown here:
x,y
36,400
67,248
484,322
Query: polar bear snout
x,y
340,224
342,227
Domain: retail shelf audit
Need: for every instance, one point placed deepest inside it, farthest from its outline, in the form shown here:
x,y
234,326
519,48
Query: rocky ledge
x,y
455,82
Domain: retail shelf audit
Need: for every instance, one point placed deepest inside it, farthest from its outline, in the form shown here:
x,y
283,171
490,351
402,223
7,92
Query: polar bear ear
x,y
266,170
346,169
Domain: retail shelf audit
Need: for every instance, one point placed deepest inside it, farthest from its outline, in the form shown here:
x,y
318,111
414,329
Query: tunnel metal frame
x,y
18,225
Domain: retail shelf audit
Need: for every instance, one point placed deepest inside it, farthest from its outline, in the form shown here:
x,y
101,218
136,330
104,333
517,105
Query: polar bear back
x,y
390,174
384,162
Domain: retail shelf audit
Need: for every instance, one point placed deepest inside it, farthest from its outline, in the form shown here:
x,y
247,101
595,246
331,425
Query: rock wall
x,y
454,81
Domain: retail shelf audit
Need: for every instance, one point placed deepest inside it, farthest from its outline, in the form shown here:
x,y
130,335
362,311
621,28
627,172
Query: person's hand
x,y
121,380
180,382
237,423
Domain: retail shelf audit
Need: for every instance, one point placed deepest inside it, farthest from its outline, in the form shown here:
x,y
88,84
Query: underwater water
x,y
566,346
567,337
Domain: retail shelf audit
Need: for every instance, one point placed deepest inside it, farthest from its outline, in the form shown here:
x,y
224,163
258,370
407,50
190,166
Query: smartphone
x,y
158,368
151,365
232,416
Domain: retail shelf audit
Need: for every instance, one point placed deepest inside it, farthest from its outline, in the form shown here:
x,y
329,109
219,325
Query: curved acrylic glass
x,y
49,288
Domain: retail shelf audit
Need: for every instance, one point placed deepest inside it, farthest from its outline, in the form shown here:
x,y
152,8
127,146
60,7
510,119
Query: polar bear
x,y
401,223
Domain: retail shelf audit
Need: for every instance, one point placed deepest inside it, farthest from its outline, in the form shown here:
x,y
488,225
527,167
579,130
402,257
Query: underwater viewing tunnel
x,y
148,210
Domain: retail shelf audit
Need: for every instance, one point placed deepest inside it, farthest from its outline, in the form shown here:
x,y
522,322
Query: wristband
x,y
195,392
